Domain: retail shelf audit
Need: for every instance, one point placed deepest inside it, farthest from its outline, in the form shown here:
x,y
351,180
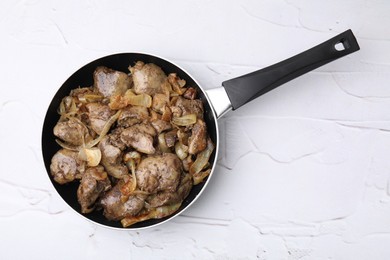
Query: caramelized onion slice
x,y
177,83
129,98
105,130
117,102
133,155
143,100
199,177
67,146
181,150
202,158
67,107
130,184
92,156
89,97
163,144
186,120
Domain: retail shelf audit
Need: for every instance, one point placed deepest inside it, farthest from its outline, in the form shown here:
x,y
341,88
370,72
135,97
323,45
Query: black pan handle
x,y
243,89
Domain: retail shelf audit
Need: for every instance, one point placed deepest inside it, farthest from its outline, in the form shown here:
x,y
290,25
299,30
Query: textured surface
x,y
303,171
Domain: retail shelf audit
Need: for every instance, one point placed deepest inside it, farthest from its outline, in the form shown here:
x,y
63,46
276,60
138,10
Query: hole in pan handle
x,y
243,89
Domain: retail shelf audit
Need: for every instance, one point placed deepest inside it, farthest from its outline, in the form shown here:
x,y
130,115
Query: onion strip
x,y
186,120
104,131
134,179
199,177
143,100
62,110
162,143
202,158
91,155
130,184
67,146
181,150
89,98
133,155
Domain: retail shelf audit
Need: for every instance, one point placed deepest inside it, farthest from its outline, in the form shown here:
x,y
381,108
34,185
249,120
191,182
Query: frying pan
x,y
234,94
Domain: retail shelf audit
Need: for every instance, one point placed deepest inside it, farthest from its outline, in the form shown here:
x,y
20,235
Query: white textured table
x,y
304,171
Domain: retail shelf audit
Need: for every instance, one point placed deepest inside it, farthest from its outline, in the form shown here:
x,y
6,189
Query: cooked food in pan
x,y
136,142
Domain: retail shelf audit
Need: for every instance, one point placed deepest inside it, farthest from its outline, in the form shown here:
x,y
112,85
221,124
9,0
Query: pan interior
x,y
84,78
